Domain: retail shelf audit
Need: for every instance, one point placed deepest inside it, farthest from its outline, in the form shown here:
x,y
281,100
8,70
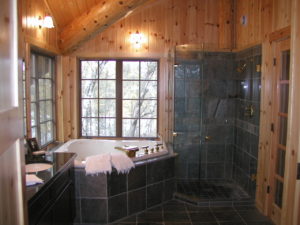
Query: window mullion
x,y
139,119
98,100
37,100
119,90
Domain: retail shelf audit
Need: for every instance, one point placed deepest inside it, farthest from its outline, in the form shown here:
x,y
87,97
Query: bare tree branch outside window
x,y
139,98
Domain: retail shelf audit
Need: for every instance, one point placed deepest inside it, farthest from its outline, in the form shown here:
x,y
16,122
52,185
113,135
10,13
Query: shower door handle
x,y
175,134
207,138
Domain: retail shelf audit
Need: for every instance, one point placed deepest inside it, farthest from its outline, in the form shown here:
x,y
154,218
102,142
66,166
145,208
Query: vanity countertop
x,y
60,162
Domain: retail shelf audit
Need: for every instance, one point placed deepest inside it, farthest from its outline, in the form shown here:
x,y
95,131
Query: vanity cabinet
x,y
54,203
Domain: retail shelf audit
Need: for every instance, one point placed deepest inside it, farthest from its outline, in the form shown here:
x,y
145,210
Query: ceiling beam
x,y
99,18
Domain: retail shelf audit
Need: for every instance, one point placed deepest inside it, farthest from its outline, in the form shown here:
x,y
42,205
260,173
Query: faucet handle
x,y
157,146
146,148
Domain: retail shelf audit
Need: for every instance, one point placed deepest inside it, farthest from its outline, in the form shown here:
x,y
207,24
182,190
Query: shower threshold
x,y
211,193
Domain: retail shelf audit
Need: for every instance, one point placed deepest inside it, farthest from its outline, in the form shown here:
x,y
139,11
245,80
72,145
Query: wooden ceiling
x,y
80,20
65,12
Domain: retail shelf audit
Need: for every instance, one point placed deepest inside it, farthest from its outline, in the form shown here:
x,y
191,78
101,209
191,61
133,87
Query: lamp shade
x,y
48,22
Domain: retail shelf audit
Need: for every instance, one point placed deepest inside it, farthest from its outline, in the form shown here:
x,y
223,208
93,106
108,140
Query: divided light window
x,y
119,98
42,98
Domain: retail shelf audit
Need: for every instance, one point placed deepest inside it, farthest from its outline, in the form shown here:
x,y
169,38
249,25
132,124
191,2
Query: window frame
x,y
38,100
119,96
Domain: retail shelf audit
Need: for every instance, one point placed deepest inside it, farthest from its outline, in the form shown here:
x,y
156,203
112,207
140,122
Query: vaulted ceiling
x,y
64,12
80,20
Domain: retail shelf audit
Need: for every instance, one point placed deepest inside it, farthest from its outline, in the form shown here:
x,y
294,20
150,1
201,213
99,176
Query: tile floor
x,y
211,189
210,192
179,213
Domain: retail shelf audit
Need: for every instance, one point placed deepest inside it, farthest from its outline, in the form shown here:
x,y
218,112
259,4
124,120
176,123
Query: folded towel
x,y
121,162
32,179
98,164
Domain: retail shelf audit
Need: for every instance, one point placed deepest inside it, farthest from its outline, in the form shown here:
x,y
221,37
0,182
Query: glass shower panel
x,y
187,113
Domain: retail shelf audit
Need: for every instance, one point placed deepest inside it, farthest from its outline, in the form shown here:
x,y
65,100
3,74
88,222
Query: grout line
x,y
239,215
188,214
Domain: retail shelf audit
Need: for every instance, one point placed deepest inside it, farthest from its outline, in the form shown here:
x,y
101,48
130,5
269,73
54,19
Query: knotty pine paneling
x,y
262,18
44,38
166,23
68,11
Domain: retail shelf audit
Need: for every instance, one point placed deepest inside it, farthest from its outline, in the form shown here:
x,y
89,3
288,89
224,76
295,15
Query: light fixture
x,y
137,39
47,22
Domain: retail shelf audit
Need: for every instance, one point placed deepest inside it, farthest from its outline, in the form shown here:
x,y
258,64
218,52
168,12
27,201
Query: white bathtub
x,y
88,147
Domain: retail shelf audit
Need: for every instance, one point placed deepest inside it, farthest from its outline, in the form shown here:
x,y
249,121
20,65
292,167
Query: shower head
x,y
241,68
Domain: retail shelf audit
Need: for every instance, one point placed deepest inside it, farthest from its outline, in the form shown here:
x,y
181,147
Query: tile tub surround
x,y
105,198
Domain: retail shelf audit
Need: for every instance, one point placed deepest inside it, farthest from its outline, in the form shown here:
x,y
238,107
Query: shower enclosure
x,y
216,116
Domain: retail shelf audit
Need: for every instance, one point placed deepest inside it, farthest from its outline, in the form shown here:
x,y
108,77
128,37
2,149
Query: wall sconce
x,y
137,39
47,22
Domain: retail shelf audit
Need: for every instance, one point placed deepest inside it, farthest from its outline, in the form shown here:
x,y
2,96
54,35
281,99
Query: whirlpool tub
x,y
88,147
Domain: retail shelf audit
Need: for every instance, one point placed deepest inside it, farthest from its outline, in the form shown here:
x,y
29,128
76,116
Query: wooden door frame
x,y
291,214
279,45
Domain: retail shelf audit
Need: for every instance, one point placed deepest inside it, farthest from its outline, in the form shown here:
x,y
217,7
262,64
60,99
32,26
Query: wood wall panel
x,y
70,98
267,88
281,14
44,38
166,23
59,99
262,18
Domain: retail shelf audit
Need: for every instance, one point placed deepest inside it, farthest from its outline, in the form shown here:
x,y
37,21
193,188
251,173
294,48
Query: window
x,y
42,98
119,98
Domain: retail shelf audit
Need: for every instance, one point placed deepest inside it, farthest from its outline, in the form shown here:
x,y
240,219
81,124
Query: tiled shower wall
x,y
247,126
210,101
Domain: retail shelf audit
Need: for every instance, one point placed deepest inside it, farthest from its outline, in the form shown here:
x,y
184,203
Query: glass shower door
x,y
187,115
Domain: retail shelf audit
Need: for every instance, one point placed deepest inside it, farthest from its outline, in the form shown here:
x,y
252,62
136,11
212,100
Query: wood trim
x,y
28,77
291,212
59,100
280,34
42,45
275,212
264,154
247,46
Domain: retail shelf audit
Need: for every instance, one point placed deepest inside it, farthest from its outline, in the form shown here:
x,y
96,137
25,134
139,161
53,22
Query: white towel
x,y
32,179
121,162
98,164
